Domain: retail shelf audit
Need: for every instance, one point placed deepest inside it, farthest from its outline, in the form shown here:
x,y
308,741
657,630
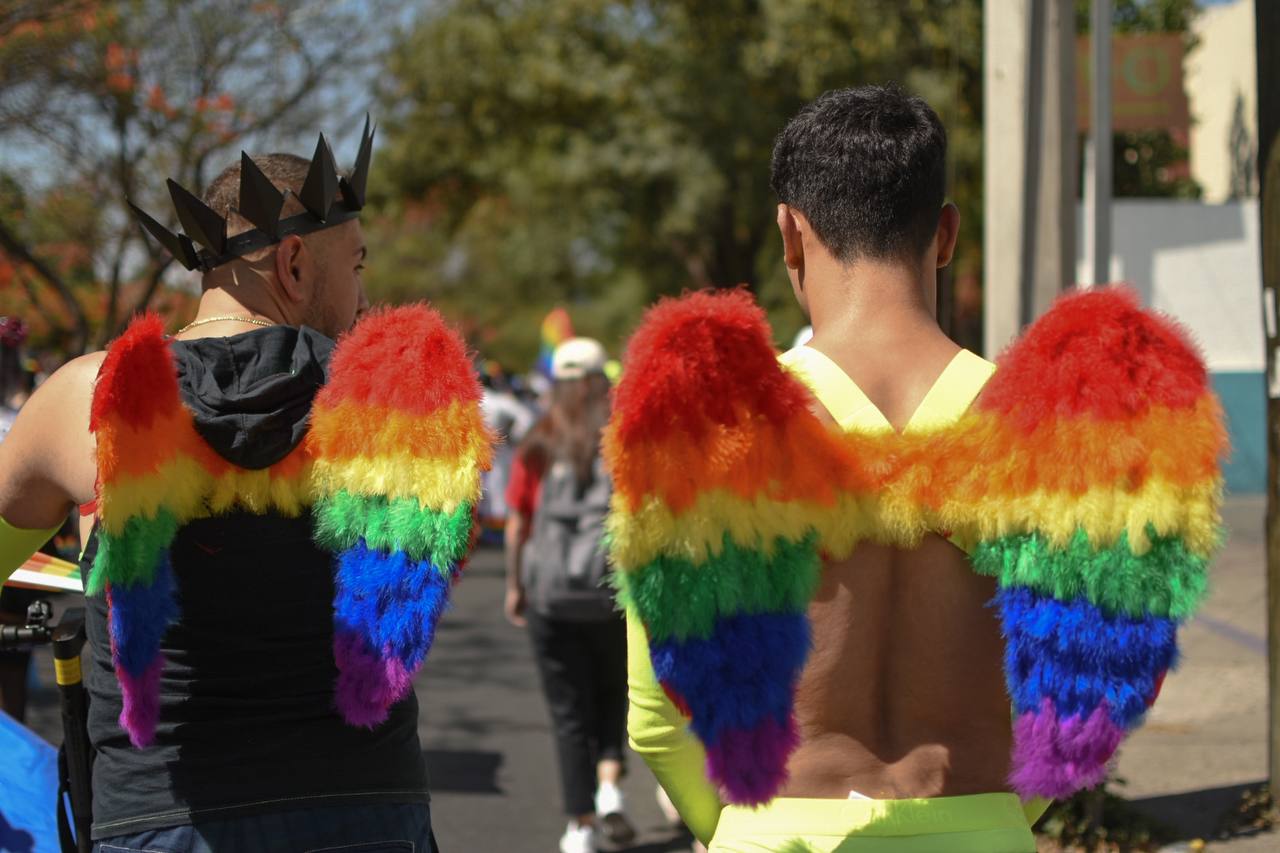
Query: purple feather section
x,y
1055,757
750,765
368,683
141,694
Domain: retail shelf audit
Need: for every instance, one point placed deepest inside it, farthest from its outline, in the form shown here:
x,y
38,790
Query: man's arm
x,y
660,735
46,462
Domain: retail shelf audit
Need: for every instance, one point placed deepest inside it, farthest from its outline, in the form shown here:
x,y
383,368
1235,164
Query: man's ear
x,y
948,232
290,268
792,231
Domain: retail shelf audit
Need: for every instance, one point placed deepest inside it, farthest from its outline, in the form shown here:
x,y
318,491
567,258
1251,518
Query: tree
x,y
1149,163
114,96
604,153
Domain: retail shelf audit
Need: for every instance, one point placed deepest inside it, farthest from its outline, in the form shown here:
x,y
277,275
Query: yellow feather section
x,y
697,534
260,493
1104,513
892,518
440,484
179,486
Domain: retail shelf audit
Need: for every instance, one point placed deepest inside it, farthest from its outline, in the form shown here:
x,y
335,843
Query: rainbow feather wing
x,y
1097,513
399,445
142,432
717,466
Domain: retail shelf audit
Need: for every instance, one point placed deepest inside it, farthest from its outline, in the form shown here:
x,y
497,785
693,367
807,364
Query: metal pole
x,y
1267,19
1098,209
1033,140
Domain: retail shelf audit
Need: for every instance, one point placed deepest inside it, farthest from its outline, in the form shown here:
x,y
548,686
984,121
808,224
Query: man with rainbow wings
x,y
883,594
274,522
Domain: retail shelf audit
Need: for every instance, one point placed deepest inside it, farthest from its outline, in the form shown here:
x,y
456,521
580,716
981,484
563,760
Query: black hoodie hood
x,y
251,393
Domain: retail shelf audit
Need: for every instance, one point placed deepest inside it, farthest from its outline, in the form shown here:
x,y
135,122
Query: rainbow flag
x,y
557,327
47,573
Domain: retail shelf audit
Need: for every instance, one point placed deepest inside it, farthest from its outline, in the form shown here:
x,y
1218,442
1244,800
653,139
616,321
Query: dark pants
x,y
584,677
375,828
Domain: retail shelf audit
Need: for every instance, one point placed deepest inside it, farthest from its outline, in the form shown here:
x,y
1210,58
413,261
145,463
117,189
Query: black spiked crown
x,y
327,198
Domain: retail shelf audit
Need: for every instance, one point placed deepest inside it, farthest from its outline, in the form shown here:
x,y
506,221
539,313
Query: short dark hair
x,y
867,168
285,171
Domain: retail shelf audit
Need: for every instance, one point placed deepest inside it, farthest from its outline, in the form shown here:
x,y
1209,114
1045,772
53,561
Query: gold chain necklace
x,y
230,317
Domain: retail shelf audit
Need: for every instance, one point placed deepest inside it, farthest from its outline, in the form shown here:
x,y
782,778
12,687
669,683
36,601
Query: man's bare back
x,y
903,694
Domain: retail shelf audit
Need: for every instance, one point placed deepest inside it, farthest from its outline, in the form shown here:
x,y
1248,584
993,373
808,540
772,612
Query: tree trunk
x,y
1267,18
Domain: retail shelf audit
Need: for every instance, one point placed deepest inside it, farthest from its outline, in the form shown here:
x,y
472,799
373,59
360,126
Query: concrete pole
x,y
1029,155
1098,154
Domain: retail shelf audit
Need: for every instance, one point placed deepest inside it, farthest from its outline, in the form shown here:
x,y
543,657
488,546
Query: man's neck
x,y
870,305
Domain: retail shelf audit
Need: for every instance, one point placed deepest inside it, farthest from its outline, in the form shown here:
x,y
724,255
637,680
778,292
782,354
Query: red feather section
x,y
405,358
142,358
703,358
1096,353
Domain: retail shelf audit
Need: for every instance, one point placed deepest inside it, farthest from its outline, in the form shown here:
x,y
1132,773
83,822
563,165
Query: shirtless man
x,y
887,717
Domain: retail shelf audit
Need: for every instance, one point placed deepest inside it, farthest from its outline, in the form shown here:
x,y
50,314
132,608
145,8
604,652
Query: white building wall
x,y
1201,264
1222,91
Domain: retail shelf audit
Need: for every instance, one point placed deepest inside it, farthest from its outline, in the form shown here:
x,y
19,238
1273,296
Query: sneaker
x,y
610,810
578,838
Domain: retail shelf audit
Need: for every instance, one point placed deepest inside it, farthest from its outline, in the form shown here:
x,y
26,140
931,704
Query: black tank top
x,y
247,718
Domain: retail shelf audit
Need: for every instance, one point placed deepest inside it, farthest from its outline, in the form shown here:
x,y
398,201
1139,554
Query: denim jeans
x,y
376,828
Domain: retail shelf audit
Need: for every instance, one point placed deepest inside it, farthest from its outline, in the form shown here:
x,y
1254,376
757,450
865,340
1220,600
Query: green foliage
x,y
100,100
600,154
1143,16
1149,163
1098,820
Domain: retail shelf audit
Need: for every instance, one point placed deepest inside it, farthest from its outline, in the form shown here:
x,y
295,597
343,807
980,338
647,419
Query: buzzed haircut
x,y
867,168
285,171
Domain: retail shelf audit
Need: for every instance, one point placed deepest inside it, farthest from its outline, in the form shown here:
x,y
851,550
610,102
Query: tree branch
x,y
19,251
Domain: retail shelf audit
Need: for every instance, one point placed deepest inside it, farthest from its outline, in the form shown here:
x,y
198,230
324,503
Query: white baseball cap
x,y
578,357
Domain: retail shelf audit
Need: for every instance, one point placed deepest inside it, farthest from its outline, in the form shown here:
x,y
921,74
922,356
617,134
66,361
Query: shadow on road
x,y
1194,814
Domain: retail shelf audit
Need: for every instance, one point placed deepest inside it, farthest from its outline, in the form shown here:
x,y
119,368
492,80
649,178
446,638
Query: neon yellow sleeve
x,y
660,736
17,545
1035,808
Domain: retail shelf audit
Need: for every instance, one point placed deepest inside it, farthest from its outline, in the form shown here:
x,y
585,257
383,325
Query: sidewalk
x,y
1205,739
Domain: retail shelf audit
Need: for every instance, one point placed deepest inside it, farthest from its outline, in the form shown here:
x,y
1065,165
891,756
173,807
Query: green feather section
x,y
1167,581
677,597
131,557
343,518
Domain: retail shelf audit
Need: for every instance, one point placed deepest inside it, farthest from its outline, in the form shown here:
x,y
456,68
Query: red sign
x,y
1146,83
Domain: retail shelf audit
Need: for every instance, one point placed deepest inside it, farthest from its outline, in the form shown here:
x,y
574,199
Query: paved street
x,y
489,749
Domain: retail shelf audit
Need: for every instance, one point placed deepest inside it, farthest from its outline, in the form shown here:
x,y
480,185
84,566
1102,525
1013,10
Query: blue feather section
x,y
1076,655
742,674
139,616
389,600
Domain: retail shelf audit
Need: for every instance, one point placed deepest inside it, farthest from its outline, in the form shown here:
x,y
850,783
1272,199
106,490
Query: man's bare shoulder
x,y
47,459
77,376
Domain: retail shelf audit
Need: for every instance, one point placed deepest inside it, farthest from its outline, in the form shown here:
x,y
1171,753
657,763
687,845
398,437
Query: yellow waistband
x,y
981,822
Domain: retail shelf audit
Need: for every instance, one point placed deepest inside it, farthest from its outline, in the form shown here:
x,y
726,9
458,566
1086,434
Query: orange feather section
x,y
352,429
983,456
127,451
739,457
